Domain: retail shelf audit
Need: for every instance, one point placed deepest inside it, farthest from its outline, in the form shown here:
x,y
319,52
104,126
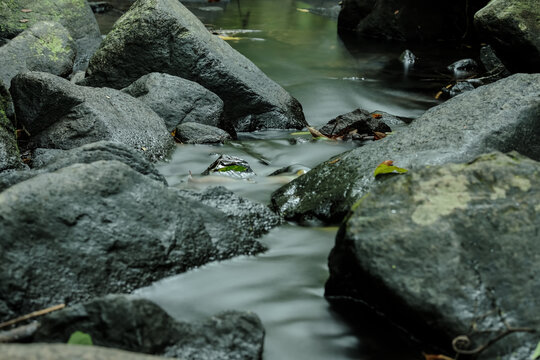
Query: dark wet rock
x,y
501,116
331,12
59,114
177,100
100,7
140,325
75,15
255,217
163,36
407,57
9,151
390,119
459,88
513,29
360,120
67,352
408,20
46,47
491,61
195,133
231,166
103,228
463,68
446,249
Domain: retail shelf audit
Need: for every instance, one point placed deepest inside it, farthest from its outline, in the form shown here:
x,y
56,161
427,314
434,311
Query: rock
x,y
500,116
46,47
103,228
140,325
9,151
407,20
163,36
66,352
194,133
230,166
446,249
360,120
75,15
463,68
459,88
177,100
491,61
512,27
59,114
256,218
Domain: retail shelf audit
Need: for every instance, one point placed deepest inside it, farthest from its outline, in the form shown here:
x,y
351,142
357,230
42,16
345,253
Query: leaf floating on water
x,y
238,168
229,38
438,95
80,338
378,135
298,133
302,10
536,353
437,357
387,167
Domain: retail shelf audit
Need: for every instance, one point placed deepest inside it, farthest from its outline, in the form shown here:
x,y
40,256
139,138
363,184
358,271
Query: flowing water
x,y
284,286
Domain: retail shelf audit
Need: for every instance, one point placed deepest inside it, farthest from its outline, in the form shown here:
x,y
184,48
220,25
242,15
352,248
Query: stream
x,y
284,286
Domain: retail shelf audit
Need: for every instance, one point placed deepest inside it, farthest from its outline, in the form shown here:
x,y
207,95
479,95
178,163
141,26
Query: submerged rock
x,y
59,114
103,228
74,15
463,68
448,250
46,47
163,36
501,116
195,133
358,120
177,100
140,325
512,27
231,166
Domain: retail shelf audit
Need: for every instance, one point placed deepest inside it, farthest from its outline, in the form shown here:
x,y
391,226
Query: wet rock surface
x,y
46,46
513,29
177,100
358,120
75,15
103,228
140,325
231,166
9,152
170,39
500,116
195,133
448,250
59,114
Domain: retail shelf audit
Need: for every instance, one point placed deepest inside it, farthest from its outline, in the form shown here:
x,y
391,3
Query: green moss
x,y
54,46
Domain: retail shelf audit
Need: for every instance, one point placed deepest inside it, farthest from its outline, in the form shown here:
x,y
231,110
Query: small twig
x,y
32,315
464,339
19,333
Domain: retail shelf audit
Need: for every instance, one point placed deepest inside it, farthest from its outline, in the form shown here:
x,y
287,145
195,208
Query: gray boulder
x,y
59,114
501,116
446,251
140,325
163,36
9,151
408,20
357,120
67,352
103,228
46,47
75,15
512,27
177,100
195,133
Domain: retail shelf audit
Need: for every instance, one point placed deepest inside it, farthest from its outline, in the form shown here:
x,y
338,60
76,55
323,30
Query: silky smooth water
x,y
284,286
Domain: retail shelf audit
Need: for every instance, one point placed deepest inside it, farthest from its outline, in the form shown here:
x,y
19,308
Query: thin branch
x,y
32,315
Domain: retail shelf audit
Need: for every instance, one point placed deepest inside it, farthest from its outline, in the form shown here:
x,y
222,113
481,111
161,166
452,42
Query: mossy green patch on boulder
x,y
9,151
75,15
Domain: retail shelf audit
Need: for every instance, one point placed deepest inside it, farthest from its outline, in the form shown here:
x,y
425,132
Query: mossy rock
x,y
9,151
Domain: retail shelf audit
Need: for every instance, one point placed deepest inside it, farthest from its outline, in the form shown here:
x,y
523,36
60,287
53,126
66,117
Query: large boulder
x,y
501,116
409,20
46,47
446,251
163,36
103,228
140,325
75,15
177,100
195,133
59,114
512,27
9,151
67,352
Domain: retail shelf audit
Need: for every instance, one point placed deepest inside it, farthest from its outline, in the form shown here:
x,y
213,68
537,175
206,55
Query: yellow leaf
x,y
387,167
227,38
303,10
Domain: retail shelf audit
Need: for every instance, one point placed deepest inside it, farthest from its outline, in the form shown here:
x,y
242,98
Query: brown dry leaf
x,y
378,135
26,10
334,161
387,162
396,12
315,133
173,133
437,357
438,95
23,21
143,148
376,116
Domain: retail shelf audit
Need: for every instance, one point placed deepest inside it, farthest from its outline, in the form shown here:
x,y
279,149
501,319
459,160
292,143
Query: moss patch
x,y
51,45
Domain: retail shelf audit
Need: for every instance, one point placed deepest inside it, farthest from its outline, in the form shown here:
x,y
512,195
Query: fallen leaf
x,y
387,167
437,357
334,161
238,168
173,133
143,148
376,116
26,10
378,135
229,38
536,353
438,95
316,133
298,133
23,21
396,12
80,338
303,10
